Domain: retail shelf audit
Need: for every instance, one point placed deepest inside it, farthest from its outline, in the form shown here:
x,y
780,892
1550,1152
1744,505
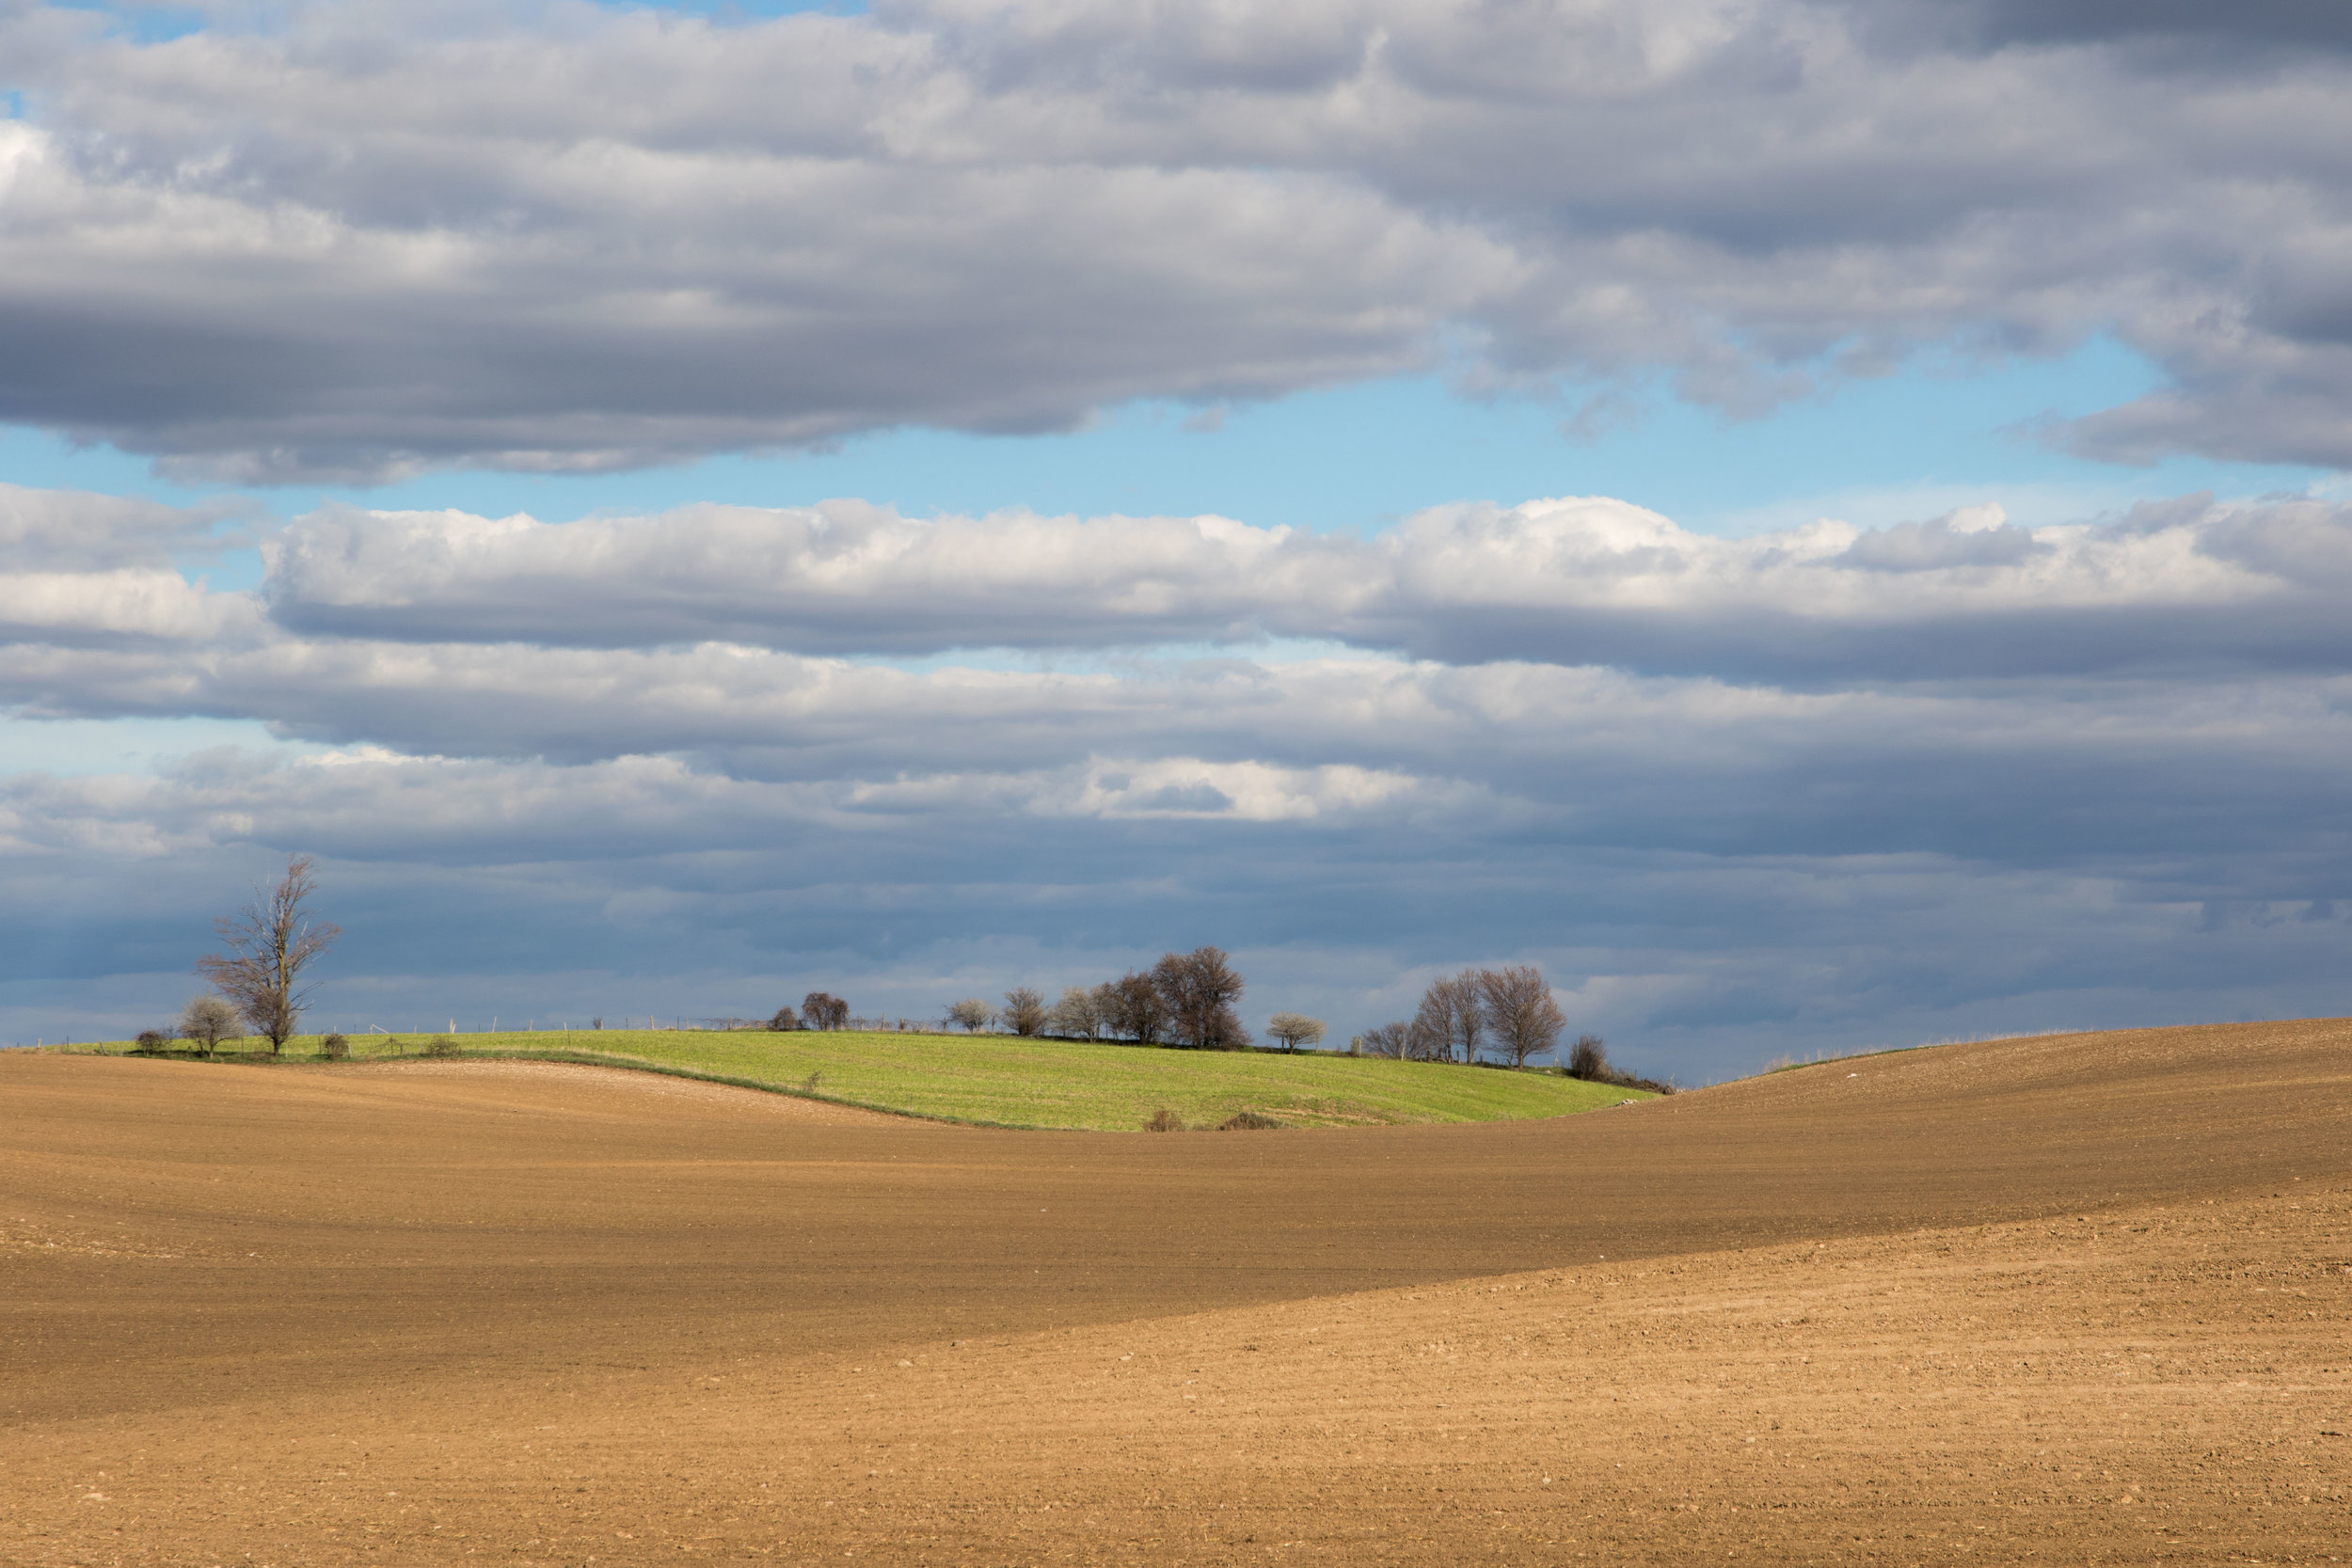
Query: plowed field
x,y
2065,1300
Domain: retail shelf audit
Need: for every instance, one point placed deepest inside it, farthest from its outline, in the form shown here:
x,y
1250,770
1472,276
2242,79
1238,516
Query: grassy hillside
x,y
1028,1083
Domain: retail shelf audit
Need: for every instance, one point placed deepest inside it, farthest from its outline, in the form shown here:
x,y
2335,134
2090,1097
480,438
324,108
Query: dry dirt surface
x,y
2083,1299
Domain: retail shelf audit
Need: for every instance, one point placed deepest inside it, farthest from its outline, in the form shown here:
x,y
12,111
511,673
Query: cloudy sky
x,y
1819,524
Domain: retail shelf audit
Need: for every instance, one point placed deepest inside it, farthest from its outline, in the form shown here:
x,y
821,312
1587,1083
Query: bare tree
x,y
1200,989
1427,1041
1294,1030
208,1021
823,1011
1024,1011
1388,1039
270,943
1453,1013
971,1013
1520,1010
1135,1008
783,1019
1077,1014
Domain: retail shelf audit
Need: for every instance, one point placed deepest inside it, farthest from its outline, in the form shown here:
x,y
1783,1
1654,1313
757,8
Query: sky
x,y
1821,526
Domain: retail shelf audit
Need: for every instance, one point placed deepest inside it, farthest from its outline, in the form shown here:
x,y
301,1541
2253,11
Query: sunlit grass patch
x,y
1007,1081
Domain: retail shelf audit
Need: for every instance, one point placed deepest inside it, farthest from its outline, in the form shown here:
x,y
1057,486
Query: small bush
x,y
1247,1121
440,1045
335,1049
208,1021
1590,1062
1164,1120
811,1082
151,1041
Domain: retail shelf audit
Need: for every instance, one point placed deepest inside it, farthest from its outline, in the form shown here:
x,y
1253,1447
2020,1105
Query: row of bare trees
x,y
1186,999
1462,1015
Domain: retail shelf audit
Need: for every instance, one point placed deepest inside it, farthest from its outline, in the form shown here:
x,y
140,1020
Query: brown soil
x,y
570,1079
2069,1300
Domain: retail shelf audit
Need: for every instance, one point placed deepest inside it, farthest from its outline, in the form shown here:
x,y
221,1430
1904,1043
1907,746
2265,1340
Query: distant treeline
x,y
1186,999
1504,1016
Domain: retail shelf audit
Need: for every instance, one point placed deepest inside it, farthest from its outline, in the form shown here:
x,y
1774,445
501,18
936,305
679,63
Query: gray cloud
x,y
1713,865
2251,24
638,885
72,531
371,241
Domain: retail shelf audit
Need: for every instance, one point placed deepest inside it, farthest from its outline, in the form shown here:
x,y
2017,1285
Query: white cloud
x,y
2184,586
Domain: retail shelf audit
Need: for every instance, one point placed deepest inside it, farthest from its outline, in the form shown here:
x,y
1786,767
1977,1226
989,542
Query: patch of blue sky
x,y
1358,457
64,748
150,23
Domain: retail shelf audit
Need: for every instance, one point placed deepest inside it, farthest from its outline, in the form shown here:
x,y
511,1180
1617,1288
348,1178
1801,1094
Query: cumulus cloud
x,y
372,239
76,531
2185,587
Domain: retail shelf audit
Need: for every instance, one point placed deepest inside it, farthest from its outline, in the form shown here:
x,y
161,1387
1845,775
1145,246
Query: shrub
x,y
1247,1121
971,1013
1589,1060
783,1019
440,1045
335,1049
1164,1120
151,1040
207,1021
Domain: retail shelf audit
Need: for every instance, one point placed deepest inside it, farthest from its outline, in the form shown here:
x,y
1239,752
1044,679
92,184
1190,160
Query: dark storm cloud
x,y
2293,24
377,238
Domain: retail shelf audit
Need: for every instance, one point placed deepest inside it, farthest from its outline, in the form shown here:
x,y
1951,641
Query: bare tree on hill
x,y
1453,1014
270,943
1520,1010
1200,989
1294,1030
1078,1014
823,1011
1136,1010
971,1013
1024,1011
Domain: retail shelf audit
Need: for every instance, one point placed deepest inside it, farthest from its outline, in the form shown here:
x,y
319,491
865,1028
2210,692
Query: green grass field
x,y
1003,1080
